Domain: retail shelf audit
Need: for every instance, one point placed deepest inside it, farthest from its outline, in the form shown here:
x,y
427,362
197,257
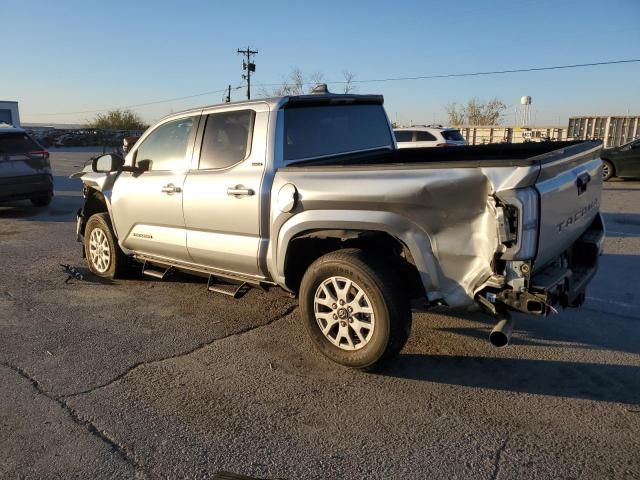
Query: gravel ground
x,y
148,379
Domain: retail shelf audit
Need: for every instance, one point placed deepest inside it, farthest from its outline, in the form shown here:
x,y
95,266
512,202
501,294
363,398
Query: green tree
x,y
476,112
117,120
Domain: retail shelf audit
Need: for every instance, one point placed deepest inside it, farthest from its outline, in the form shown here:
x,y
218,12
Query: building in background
x,y
613,131
9,113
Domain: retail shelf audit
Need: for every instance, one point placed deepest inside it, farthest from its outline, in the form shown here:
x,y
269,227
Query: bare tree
x,y
315,78
456,114
349,77
476,112
297,83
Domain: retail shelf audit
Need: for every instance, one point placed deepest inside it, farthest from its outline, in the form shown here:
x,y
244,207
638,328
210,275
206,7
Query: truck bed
x,y
447,194
522,154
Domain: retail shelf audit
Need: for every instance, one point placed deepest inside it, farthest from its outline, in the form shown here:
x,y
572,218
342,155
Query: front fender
x,y
102,184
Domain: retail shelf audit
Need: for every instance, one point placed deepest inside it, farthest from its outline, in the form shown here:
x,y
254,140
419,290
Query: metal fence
x,y
480,135
613,131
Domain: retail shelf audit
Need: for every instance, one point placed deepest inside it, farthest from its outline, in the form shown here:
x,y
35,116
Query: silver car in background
x,y
420,136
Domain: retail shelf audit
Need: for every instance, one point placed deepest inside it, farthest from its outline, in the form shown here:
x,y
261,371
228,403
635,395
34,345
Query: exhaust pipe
x,y
501,333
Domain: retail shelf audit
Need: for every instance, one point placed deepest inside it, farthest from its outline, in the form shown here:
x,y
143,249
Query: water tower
x,y
525,110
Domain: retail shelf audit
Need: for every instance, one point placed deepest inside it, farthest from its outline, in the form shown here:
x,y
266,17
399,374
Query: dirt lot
x,y
140,378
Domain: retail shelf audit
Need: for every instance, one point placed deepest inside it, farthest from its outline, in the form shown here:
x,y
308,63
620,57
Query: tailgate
x,y
570,185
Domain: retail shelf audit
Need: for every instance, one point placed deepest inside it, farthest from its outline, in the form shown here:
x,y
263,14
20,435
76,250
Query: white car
x,y
428,136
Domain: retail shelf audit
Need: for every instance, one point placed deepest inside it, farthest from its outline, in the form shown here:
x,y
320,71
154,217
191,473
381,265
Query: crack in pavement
x,y
195,349
498,459
126,453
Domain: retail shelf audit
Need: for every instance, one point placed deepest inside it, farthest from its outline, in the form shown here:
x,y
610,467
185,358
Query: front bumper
x,y
25,187
562,283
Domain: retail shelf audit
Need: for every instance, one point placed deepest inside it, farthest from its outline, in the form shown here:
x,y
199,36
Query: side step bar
x,y
148,270
235,290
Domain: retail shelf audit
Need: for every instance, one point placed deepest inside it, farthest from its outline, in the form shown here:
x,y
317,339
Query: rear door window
x,y
452,135
316,131
403,135
424,137
227,139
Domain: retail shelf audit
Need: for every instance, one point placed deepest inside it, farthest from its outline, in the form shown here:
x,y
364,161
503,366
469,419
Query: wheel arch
x,y
94,202
309,235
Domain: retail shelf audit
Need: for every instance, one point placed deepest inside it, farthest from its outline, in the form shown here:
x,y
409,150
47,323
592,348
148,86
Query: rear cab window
x,y
324,130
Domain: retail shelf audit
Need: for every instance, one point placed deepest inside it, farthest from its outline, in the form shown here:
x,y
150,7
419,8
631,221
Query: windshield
x,y
332,129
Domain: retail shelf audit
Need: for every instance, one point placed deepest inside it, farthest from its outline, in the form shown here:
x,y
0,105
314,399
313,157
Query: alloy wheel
x,y
344,313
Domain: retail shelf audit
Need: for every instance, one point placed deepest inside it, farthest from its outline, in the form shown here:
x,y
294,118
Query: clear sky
x,y
68,56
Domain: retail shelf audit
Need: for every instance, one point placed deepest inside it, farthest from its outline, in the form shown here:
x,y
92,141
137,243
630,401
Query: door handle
x,y
582,182
239,190
171,188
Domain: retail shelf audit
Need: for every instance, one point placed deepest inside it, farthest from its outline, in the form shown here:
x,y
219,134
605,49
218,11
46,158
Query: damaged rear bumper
x,y
562,283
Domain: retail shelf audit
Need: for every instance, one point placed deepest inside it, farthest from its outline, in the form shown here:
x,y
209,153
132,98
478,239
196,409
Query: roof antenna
x,y
321,88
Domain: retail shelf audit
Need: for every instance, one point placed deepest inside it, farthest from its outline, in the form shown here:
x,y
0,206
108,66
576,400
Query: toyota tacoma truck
x,y
310,193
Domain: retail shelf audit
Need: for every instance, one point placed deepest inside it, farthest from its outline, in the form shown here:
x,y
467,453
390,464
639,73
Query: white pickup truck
x,y
310,193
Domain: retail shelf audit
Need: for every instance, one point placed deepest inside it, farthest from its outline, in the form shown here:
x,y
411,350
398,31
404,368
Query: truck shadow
x,y
61,209
589,381
564,336
622,224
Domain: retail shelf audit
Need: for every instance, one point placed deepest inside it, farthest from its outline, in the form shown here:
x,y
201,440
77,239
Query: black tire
x,y
389,303
608,170
118,261
41,200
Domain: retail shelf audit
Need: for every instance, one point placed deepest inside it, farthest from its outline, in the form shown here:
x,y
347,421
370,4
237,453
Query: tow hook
x,y
501,333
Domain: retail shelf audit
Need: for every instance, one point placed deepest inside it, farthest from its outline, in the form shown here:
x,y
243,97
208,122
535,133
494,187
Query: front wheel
x,y
104,256
354,309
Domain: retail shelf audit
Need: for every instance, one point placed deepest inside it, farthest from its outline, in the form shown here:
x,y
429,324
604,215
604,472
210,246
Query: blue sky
x,y
68,56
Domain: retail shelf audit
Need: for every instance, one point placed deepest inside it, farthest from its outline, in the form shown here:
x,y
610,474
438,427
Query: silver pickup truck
x,y
310,193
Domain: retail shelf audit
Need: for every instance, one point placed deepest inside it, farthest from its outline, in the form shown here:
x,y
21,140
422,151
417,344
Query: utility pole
x,y
249,66
228,96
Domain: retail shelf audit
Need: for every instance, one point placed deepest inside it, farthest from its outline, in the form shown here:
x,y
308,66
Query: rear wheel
x,y
607,170
41,200
355,310
104,256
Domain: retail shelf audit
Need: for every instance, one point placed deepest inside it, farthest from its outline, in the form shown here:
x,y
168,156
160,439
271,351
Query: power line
x,y
142,104
469,74
374,80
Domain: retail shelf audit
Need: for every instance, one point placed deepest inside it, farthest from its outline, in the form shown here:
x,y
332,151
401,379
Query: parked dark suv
x,y
25,171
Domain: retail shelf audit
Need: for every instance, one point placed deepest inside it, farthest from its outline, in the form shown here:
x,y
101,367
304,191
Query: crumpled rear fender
x,y
420,244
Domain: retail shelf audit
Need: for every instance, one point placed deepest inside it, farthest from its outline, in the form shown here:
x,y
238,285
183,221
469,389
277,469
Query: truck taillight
x,y
521,214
